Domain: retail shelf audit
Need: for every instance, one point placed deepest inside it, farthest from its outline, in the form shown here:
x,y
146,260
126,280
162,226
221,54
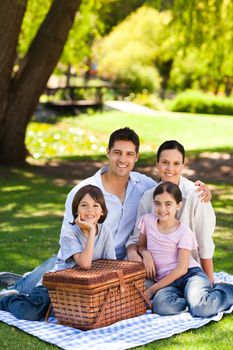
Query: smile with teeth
x,y
122,165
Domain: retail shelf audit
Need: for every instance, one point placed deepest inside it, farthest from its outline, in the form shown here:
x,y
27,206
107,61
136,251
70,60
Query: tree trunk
x,y
30,80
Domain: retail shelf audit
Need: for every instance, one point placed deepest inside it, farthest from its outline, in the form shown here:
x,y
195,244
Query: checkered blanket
x,y
121,335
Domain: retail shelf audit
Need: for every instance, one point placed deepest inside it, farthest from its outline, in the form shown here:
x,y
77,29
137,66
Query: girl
x,y
199,216
165,245
89,241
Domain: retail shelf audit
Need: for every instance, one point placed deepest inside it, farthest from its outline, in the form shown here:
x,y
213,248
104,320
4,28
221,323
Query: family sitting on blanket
x,y
122,190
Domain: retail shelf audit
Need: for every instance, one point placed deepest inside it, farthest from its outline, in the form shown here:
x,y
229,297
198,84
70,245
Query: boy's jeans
x,y
193,290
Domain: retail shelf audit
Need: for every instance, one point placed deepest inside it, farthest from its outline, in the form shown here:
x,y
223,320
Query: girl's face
x,y
89,210
165,206
170,165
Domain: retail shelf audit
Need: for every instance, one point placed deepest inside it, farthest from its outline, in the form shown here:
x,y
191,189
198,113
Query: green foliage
x,y
203,32
199,102
35,13
129,53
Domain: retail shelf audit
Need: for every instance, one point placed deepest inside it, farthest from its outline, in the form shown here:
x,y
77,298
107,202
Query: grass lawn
x,y
32,207
89,133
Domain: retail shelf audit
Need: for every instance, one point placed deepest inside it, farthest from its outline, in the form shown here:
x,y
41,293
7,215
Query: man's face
x,y
122,157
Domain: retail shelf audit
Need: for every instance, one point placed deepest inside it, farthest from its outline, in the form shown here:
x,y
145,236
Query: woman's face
x,y
170,165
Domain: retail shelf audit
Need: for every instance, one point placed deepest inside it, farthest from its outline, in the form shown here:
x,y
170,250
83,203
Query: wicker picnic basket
x,y
112,290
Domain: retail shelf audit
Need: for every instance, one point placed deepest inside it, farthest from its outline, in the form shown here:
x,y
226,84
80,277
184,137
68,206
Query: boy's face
x,y
122,157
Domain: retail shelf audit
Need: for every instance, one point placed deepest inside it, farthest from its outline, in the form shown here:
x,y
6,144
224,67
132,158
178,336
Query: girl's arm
x,y
146,257
84,259
179,271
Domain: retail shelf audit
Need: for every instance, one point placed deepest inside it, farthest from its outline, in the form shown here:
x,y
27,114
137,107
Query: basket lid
x,y
102,270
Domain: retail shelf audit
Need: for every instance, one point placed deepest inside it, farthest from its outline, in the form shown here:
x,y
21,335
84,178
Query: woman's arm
x,y
179,271
203,191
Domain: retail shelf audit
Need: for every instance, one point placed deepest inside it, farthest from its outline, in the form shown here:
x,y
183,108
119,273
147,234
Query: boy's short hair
x,y
125,134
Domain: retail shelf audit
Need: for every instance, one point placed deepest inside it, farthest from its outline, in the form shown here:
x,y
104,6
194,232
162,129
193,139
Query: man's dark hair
x,y
124,134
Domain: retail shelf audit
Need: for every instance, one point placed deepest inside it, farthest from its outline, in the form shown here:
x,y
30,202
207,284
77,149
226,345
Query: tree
x,y
23,83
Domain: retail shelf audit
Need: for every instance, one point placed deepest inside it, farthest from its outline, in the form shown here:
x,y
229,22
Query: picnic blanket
x,y
121,335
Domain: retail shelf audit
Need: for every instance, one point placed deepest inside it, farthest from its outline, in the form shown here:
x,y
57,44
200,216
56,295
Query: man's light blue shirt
x,y
121,217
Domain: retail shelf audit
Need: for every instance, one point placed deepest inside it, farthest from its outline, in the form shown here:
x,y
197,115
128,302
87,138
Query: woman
x,y
199,216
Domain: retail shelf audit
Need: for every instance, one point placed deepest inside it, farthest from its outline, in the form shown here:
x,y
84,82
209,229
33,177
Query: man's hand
x,y
205,193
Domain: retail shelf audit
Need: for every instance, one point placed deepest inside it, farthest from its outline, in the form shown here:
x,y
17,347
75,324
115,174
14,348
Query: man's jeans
x,y
31,307
27,283
193,290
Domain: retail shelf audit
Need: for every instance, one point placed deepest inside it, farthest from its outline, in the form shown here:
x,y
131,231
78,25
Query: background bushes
x,y
199,102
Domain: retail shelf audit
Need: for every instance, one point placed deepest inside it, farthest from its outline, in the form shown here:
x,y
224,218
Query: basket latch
x,y
121,279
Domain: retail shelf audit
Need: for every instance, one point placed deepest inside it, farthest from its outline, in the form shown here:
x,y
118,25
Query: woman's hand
x,y
205,193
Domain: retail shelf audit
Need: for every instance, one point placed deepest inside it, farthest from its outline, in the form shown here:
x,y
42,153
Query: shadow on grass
x,y
30,218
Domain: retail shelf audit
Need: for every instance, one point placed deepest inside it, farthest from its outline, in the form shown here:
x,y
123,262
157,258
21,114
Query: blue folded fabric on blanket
x,y
122,335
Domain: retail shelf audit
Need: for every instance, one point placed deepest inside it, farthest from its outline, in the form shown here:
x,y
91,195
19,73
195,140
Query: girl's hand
x,y
149,265
149,293
86,226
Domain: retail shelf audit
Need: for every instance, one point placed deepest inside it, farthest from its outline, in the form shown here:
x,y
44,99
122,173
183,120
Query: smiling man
x,y
122,188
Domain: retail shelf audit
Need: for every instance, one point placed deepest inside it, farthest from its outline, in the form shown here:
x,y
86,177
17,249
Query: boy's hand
x,y
85,225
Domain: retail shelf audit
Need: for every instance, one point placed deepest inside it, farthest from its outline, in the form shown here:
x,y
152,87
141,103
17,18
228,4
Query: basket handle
x,y
122,289
143,295
103,309
121,280
48,312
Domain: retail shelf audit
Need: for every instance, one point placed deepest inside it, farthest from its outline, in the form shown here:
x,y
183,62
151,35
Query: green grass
x,y
32,204
88,134
30,220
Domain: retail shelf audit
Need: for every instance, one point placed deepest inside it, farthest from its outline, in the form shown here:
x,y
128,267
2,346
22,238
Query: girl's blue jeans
x,y
193,291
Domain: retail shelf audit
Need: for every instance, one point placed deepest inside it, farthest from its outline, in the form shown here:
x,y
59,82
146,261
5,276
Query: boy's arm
x,y
84,259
